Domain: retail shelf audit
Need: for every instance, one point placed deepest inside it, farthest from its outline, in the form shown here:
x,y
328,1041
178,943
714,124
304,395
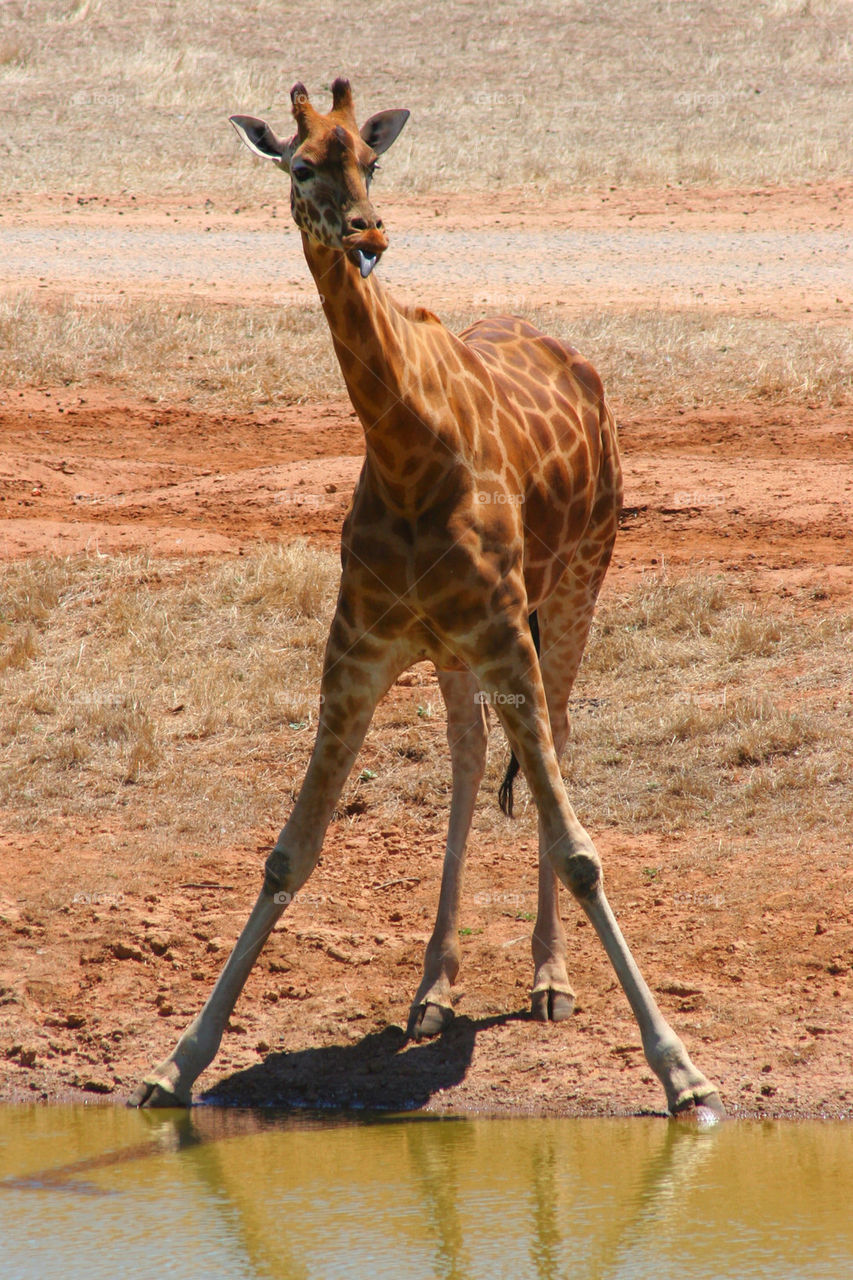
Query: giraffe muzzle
x,y
365,248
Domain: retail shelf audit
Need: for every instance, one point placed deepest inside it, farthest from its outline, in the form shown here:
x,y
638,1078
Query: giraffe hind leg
x,y
566,618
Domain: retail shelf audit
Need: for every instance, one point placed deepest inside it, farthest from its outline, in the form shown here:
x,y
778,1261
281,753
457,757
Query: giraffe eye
x,y
301,171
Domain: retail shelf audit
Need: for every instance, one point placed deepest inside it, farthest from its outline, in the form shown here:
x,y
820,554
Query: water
x,y
221,1195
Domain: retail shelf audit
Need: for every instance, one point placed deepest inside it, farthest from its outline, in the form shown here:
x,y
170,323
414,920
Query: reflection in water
x,y
224,1193
545,1238
435,1154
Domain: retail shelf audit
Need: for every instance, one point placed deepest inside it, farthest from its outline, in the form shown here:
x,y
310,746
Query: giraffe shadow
x,y
381,1072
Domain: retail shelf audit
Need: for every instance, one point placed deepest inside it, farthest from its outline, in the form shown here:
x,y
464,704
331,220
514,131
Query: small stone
x,y
126,951
158,943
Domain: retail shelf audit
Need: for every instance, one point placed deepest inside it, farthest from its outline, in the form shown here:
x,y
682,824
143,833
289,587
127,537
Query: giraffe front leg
x,y
351,689
467,734
688,1092
170,1083
575,861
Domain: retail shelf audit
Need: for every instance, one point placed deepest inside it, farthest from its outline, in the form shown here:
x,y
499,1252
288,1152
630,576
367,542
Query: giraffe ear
x,y
259,137
384,128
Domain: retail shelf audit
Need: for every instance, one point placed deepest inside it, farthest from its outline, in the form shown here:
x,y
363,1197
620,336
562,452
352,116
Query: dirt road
x,y
784,251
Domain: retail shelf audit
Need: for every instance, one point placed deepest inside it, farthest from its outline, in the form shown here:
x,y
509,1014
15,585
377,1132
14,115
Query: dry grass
x,y
121,671
202,353
249,356
179,700
657,357
106,95
696,710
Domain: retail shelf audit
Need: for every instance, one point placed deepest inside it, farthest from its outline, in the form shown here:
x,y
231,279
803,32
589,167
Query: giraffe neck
x,y
382,351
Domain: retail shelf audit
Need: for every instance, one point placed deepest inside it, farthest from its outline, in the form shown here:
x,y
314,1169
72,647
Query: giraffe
x,y
490,491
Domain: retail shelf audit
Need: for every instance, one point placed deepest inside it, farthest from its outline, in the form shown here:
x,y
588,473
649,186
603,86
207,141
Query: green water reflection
x,y
103,1192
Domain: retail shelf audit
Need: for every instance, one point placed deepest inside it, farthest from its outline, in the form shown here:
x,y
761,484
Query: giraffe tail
x,y
505,790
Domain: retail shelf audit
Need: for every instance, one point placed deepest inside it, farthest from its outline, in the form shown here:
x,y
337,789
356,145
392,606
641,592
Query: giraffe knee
x,y
284,874
579,868
277,875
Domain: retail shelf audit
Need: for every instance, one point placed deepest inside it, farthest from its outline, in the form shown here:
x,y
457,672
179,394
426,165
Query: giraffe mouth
x,y
365,248
366,262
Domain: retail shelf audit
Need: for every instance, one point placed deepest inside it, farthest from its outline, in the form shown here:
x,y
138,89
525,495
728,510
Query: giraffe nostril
x,y
358,224
378,224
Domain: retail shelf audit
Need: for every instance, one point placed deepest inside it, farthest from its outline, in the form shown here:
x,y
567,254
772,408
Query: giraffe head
x,y
331,162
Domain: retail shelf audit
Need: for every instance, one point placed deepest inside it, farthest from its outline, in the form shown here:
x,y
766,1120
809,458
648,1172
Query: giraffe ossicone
x,y
485,511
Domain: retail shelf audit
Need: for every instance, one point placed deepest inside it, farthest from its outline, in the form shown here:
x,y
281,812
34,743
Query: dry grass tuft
x,y
249,356
157,673
239,355
182,699
701,709
126,95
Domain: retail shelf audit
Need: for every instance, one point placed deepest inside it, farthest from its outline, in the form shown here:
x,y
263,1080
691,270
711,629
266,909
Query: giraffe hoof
x,y
552,1006
428,1020
150,1093
705,1112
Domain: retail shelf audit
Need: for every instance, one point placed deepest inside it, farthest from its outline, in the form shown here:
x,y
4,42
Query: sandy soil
x,y
92,992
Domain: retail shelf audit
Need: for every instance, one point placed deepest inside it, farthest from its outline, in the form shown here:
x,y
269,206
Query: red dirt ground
x,y
90,995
